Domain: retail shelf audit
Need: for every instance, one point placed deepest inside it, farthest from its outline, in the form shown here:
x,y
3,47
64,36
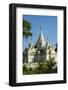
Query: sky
x,y
48,26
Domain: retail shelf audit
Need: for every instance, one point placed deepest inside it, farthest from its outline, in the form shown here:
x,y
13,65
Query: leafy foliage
x,y
43,67
26,28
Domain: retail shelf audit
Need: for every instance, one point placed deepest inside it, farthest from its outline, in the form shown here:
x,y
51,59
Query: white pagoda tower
x,y
40,51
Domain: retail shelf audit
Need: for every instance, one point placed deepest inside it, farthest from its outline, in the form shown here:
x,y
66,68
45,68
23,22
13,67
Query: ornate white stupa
x,y
40,51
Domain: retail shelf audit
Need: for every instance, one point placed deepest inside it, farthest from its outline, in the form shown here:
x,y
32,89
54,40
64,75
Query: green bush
x,y
43,67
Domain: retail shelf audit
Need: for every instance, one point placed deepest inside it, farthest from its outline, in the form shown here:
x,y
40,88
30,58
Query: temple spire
x,y
40,28
41,41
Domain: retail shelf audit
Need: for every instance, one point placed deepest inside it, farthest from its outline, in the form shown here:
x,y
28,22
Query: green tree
x,y
26,28
51,64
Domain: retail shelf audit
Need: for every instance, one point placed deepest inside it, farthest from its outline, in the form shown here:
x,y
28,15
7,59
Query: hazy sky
x,y
48,25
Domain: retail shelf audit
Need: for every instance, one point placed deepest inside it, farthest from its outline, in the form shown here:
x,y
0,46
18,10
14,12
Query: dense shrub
x,y
49,66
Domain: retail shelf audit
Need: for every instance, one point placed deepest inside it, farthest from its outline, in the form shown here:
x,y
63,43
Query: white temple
x,y
40,52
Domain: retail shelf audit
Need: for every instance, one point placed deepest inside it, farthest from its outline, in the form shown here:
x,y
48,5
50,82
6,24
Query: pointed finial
x,y
40,28
47,38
